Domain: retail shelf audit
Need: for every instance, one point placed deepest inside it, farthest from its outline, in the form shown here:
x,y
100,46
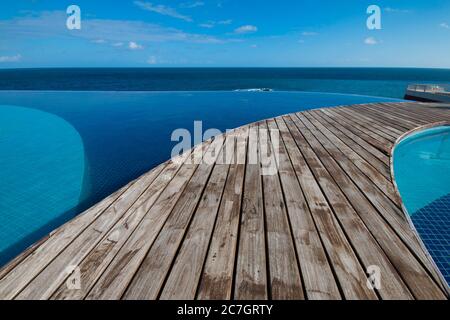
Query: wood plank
x,y
359,137
216,281
378,200
383,204
149,278
413,114
284,276
49,279
376,127
382,127
251,273
362,151
115,279
101,256
349,272
184,276
21,257
388,118
373,126
365,132
17,278
366,247
359,218
382,182
318,278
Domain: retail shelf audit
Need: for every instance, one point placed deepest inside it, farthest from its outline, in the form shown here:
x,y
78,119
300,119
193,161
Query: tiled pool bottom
x,y
432,223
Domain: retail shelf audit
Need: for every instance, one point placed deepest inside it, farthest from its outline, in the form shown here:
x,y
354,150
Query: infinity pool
x,y
422,172
61,152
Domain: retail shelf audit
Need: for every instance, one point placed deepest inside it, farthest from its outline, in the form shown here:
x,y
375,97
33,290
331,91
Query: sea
x,y
382,82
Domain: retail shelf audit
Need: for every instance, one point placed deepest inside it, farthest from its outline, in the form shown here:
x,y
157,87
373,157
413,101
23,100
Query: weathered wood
x,y
358,219
361,131
21,257
351,276
230,228
184,277
284,275
383,205
50,278
251,273
13,282
148,279
349,132
381,166
317,273
217,277
99,258
382,182
114,281
390,119
375,127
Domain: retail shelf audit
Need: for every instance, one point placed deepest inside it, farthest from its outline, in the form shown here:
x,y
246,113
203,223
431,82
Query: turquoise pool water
x,y
61,152
422,172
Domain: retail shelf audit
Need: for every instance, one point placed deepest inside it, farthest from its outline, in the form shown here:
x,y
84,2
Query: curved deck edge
x,y
329,135
405,211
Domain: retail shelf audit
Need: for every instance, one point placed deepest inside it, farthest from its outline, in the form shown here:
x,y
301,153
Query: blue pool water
x,y
422,172
61,152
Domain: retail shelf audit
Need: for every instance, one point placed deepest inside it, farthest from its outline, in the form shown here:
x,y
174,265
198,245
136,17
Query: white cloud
x,y
254,46
48,24
207,25
211,24
371,41
246,29
445,25
394,10
118,44
152,60
134,45
229,21
309,33
99,41
190,5
15,58
163,10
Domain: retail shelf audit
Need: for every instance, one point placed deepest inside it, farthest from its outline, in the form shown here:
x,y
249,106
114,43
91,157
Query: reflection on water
x,y
422,167
42,171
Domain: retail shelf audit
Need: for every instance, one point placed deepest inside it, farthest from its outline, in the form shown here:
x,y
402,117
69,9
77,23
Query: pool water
x,y
62,152
422,172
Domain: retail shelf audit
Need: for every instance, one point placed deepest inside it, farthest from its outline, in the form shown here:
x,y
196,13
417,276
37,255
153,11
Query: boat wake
x,y
255,90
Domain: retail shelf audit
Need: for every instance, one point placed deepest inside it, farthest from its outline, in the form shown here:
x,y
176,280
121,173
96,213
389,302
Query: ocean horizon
x,y
383,82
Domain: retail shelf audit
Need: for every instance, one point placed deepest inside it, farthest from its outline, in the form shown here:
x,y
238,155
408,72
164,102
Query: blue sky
x,y
224,33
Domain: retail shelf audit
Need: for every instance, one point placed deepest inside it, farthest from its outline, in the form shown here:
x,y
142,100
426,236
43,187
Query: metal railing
x,y
430,88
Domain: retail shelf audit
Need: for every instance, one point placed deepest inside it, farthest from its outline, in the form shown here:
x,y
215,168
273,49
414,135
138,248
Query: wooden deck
x,y
221,230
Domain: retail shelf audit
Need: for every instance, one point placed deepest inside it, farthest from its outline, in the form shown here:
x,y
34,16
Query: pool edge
x,y
404,210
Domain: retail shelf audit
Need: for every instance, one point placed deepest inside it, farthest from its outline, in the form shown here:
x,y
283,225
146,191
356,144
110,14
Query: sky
x,y
224,33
